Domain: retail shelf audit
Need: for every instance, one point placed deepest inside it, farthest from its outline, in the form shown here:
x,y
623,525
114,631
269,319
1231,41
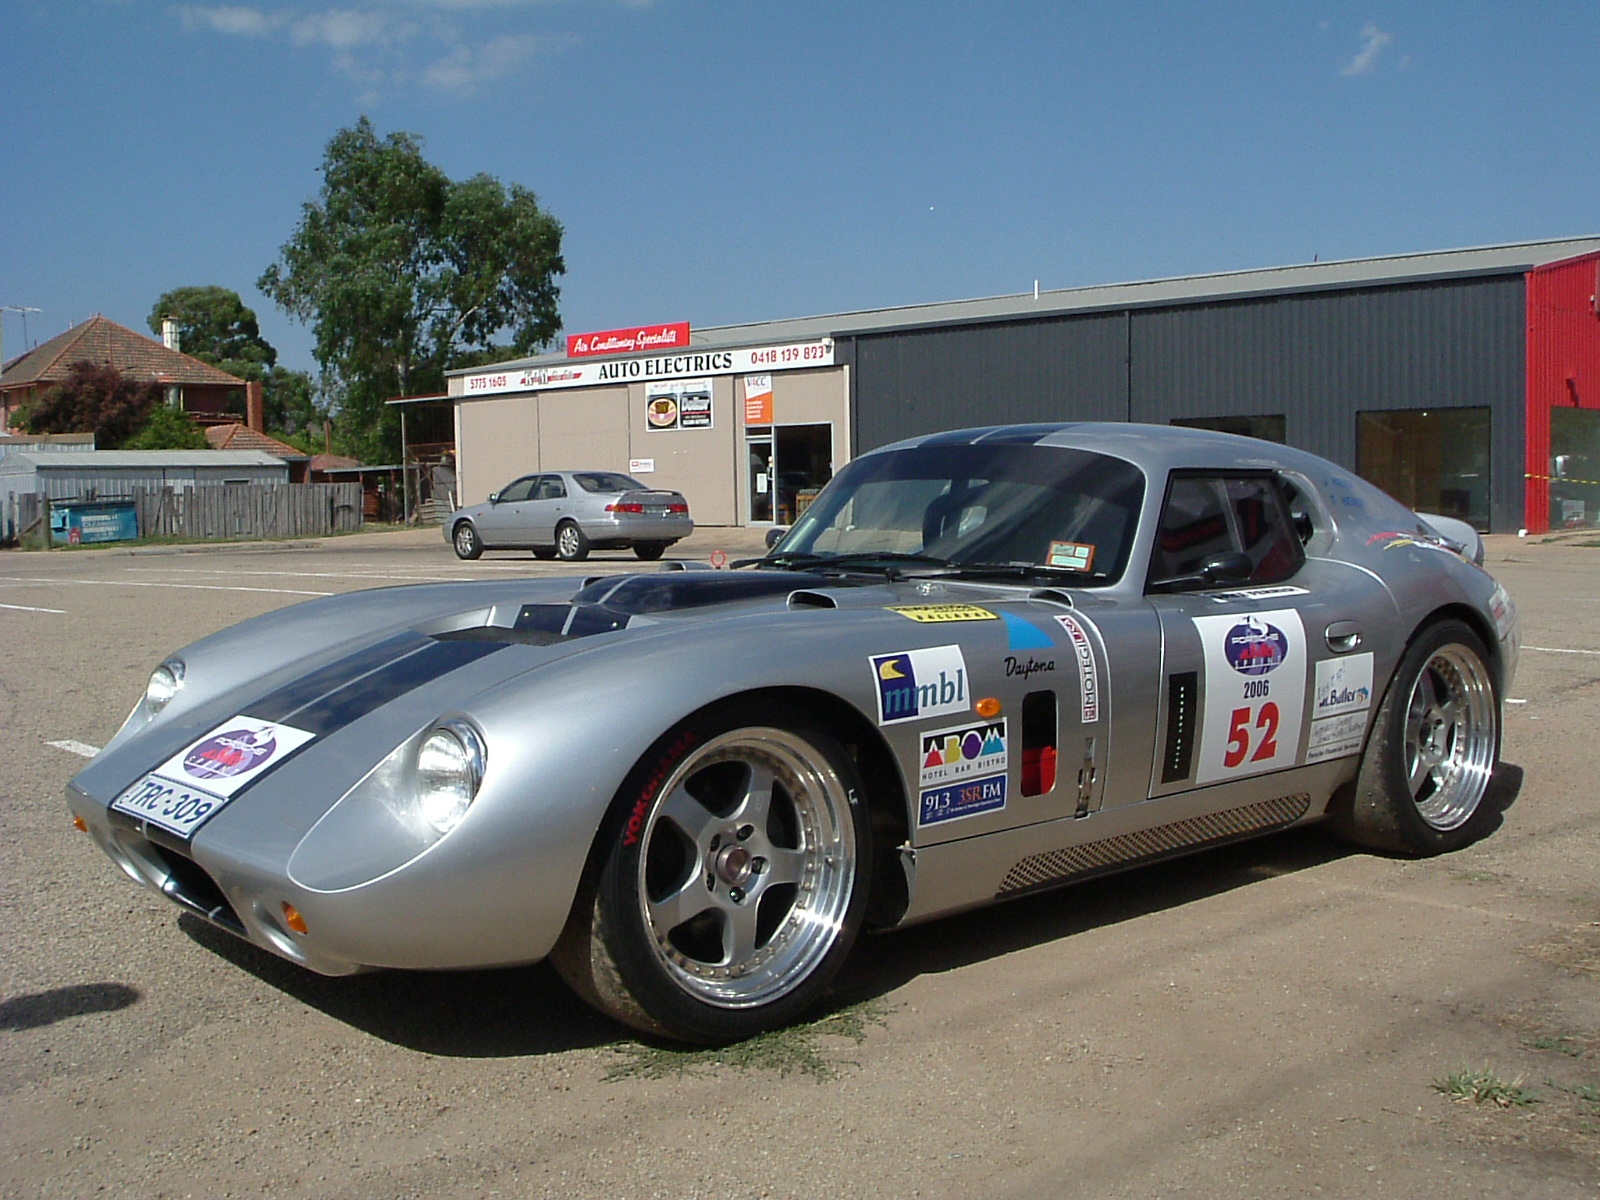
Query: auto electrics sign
x,y
687,365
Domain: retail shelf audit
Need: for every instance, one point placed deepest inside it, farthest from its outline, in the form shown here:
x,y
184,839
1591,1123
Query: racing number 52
x,y
1266,719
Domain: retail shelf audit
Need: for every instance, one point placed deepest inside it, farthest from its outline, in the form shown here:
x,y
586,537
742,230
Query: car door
x,y
505,521
1266,658
546,510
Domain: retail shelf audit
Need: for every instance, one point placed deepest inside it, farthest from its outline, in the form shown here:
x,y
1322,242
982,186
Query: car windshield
x,y
987,508
607,481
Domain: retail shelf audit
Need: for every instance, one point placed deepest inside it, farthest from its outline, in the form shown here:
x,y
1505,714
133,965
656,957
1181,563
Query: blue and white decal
x,y
1255,693
965,799
917,684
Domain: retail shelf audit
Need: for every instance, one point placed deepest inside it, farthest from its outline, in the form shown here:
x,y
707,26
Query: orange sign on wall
x,y
758,399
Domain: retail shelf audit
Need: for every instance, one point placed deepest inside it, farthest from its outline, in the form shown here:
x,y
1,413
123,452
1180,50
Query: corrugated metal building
x,y
113,474
1464,382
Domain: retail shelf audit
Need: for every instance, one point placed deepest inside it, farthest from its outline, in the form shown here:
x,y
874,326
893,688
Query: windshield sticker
x,y
1343,685
1088,668
1073,556
1335,737
234,754
1255,693
914,684
1024,635
966,799
1262,593
939,614
951,755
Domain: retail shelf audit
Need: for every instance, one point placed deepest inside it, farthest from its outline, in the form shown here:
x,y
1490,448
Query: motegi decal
x,y
924,683
1339,704
1255,693
1088,669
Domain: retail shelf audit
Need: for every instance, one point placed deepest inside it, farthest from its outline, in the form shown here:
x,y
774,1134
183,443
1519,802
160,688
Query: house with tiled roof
x,y
197,387
237,436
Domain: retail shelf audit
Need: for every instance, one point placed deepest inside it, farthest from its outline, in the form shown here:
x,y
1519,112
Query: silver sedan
x,y
566,514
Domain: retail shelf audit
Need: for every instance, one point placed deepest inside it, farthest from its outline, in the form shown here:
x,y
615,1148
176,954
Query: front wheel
x,y
734,883
571,545
466,541
1432,750
544,553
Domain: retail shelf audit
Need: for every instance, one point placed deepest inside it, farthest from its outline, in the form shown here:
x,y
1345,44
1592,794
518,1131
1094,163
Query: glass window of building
x,y
1574,468
1430,459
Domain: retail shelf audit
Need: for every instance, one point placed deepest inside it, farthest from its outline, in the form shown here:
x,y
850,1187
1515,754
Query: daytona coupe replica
x,y
983,664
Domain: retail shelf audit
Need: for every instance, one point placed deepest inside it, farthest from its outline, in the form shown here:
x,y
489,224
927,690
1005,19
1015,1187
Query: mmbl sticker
x,y
914,684
1255,693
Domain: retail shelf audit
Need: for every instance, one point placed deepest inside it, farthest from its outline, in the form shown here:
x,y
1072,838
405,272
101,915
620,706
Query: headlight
x,y
449,770
164,683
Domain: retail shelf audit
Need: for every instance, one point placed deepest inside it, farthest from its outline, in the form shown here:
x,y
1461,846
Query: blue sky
x,y
718,161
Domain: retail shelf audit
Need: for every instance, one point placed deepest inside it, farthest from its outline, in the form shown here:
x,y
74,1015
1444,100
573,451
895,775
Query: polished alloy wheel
x,y
1450,737
748,866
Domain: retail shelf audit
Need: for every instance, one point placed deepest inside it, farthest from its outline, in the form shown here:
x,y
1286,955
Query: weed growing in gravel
x,y
1561,1045
1586,1092
797,1050
1485,1087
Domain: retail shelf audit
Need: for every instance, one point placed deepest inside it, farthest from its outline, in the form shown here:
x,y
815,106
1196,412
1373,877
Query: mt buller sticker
x,y
917,684
1343,685
1255,693
233,754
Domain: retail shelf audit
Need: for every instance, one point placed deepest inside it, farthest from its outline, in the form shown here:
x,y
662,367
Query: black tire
x,y
1434,745
649,551
730,881
544,553
466,541
571,545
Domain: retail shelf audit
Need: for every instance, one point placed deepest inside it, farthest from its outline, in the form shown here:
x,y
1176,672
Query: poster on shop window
x,y
680,404
1255,693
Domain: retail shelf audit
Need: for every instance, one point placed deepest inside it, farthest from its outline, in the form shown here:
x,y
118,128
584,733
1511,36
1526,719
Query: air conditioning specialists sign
x,y
687,365
629,341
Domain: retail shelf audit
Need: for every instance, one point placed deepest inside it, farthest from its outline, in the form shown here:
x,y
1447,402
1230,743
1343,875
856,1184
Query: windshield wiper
x,y
1024,570
889,561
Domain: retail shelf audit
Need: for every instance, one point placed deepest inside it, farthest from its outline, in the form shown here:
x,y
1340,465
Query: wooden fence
x,y
224,511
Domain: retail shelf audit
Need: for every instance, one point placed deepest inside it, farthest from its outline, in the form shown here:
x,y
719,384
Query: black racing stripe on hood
x,y
275,706
354,695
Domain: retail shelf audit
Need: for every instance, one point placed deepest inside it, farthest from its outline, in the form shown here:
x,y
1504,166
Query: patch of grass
x,y
796,1050
1485,1087
1577,952
1561,1045
1586,1092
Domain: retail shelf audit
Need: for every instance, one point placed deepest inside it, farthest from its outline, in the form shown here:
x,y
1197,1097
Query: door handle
x,y
1343,636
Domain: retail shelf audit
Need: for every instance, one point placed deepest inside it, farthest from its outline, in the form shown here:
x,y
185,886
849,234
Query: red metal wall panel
x,y
1563,363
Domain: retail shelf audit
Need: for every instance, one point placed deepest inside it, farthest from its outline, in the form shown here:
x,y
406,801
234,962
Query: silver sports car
x,y
983,663
565,514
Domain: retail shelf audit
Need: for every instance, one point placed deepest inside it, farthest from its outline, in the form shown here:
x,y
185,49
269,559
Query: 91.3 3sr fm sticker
x,y
1255,693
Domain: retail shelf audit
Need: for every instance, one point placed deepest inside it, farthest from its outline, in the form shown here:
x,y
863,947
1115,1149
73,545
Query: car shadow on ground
x,y
521,1011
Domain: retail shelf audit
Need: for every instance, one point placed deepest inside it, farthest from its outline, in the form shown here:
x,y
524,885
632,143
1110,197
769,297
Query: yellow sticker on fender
x,y
938,614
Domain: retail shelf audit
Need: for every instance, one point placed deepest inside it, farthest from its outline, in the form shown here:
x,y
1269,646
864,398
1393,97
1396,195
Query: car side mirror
x,y
1231,566
494,497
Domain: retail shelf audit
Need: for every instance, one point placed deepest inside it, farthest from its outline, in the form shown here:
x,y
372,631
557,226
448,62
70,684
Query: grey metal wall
x,y
1319,358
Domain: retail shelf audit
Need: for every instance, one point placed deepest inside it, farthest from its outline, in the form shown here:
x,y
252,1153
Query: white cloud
x,y
227,18
1374,40
343,28
466,66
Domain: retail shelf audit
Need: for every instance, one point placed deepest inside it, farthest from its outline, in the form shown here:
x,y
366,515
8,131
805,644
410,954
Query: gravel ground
x,y
1262,1020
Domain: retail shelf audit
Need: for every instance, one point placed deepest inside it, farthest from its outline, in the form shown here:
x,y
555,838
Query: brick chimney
x,y
255,407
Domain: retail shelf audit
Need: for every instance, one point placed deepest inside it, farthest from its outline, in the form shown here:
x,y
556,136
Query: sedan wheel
x,y
734,886
571,545
1432,750
649,551
466,541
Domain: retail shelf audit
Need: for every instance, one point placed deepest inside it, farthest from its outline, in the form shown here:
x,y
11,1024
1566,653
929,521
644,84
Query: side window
x,y
551,488
520,490
1206,515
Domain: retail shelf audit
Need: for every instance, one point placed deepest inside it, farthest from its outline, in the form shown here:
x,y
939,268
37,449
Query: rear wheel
x,y
734,884
1433,748
466,541
649,551
571,545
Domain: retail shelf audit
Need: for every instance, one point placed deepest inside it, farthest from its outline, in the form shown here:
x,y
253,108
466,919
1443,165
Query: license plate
x,y
175,807
655,510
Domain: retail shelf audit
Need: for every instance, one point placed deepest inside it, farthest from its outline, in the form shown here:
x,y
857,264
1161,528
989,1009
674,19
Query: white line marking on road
x,y
31,608
1559,650
1514,700
76,747
199,587
307,574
